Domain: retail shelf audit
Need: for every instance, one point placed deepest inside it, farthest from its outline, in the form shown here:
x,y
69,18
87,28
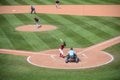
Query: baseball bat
x,y
61,40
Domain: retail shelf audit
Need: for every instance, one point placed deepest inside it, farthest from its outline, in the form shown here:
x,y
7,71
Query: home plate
x,y
13,10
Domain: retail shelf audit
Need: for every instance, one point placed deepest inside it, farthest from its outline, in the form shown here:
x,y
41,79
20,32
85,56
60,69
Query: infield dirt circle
x,y
92,56
34,28
51,59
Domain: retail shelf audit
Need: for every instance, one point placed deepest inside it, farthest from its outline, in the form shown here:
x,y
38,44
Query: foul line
x,y
17,52
112,58
102,44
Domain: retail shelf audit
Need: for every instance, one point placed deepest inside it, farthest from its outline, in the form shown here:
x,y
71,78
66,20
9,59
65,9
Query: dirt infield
x,y
83,10
51,59
92,56
34,28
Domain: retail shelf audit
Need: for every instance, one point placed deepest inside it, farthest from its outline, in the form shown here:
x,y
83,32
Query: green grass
x,y
17,68
46,2
77,31
74,29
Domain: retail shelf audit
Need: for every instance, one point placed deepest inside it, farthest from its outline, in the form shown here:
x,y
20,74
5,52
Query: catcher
x,y
71,57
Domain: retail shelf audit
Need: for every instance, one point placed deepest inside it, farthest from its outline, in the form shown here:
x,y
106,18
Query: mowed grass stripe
x,y
58,34
84,1
24,19
37,43
4,2
47,37
99,2
52,20
21,2
73,2
89,22
38,1
97,24
114,1
49,41
4,41
113,23
97,31
16,39
61,35
40,16
65,2
11,2
92,37
31,37
53,40
102,1
81,2
110,25
115,20
40,34
41,2
69,30
81,30
9,35
49,19
30,2
44,2
80,40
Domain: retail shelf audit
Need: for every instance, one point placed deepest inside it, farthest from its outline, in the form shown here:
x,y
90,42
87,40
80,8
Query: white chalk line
x,y
85,57
20,51
83,67
53,57
99,44
79,53
16,51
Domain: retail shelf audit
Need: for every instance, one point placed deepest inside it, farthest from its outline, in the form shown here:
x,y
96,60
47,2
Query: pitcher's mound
x,y
34,28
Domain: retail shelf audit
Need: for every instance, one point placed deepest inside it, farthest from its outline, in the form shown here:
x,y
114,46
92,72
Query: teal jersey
x,y
71,52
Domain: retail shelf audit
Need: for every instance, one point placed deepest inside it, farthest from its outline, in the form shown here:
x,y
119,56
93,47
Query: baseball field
x,y
79,31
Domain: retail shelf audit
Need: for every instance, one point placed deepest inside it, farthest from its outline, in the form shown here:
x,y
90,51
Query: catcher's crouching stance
x,y
61,49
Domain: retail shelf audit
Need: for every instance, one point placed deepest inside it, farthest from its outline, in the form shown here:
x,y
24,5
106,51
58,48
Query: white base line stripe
x,y
112,58
114,40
